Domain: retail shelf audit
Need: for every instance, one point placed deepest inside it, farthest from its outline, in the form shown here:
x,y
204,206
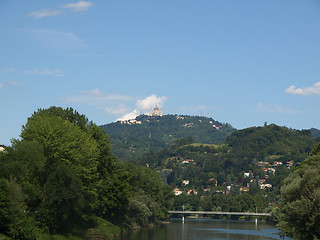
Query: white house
x,y
185,182
177,191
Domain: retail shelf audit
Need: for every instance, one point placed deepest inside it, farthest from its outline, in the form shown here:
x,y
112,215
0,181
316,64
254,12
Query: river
x,y
206,229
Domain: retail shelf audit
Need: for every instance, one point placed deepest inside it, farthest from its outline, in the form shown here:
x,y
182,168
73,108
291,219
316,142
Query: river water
x,y
206,229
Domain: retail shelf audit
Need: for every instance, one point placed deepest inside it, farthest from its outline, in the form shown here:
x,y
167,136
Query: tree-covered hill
x,y
271,143
131,139
242,149
253,161
315,132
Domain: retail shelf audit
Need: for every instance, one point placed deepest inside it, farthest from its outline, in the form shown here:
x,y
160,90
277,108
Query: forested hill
x,y
271,143
266,154
315,132
241,151
133,138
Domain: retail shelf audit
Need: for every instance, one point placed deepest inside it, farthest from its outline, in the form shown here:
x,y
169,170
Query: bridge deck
x,y
220,213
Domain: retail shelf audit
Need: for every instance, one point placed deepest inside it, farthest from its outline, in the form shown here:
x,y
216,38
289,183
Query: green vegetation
x,y
244,174
300,200
61,181
132,139
315,132
271,142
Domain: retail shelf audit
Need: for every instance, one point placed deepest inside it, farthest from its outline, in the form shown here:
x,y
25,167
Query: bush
x,y
102,229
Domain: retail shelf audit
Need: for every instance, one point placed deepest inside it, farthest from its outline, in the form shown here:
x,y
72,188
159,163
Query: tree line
x,y
61,177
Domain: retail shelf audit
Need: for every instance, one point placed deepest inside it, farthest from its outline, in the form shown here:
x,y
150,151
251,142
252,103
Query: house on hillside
x,y
244,189
271,170
187,125
130,121
289,164
213,181
264,186
261,181
276,163
263,164
192,191
177,191
216,127
179,117
246,175
185,182
187,161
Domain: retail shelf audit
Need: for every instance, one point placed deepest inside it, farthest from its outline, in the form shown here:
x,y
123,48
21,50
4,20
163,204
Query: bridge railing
x,y
220,213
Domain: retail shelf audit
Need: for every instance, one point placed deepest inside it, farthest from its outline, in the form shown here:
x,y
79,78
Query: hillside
x,y
253,160
133,138
315,132
208,163
271,143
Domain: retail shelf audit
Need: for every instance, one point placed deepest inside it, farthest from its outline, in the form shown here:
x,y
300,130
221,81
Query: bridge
x,y
220,213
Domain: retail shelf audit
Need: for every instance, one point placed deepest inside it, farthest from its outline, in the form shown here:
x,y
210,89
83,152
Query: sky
x,y
242,62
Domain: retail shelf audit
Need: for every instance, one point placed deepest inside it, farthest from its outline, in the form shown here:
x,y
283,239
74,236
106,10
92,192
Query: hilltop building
x,y
130,121
155,112
2,148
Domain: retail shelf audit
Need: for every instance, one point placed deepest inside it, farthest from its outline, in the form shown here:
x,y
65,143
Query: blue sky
x,y
240,62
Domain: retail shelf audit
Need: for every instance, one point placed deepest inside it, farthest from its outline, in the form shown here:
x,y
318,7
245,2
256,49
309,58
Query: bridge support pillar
x,y
182,218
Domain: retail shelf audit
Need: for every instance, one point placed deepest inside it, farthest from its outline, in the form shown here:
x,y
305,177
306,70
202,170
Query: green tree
x,y
112,199
63,201
300,200
6,213
64,142
62,172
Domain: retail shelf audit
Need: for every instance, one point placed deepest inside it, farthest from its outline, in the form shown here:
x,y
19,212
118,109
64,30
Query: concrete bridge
x,y
220,213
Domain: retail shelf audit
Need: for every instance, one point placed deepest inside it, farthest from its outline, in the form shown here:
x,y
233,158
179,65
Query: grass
x,y
216,146
102,230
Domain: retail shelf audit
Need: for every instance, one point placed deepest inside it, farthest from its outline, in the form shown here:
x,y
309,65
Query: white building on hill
x,y
155,112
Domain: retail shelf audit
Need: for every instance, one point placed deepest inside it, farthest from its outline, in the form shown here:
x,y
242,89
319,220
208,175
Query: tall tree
x,y
300,200
63,142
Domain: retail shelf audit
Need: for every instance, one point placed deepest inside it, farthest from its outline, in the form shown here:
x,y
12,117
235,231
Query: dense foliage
x,y
315,132
61,177
131,139
271,142
300,200
217,172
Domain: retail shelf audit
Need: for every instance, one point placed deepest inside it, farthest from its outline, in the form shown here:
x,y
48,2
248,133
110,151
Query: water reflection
x,y
206,229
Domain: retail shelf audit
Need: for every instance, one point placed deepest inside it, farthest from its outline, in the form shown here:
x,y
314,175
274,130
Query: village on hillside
x,y
212,183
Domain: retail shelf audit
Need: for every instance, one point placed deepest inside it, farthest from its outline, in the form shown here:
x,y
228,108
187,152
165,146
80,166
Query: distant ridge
x,y
133,138
315,132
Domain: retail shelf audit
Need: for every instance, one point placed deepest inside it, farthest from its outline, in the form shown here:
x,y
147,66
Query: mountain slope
x,y
268,153
315,132
131,139
271,142
243,149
